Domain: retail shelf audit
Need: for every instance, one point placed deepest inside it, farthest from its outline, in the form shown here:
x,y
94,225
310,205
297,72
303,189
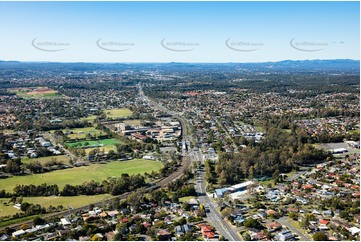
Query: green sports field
x,y
79,175
95,143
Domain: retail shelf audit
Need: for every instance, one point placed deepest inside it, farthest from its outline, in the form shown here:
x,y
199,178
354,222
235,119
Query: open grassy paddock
x,y
118,113
42,160
79,175
81,133
74,202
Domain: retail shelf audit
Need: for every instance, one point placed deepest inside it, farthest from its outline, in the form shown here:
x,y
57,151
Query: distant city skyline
x,y
179,31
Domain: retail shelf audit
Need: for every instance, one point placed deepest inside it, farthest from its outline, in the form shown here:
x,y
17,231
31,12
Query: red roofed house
x,y
258,236
271,212
292,209
163,234
308,186
324,221
273,226
124,220
207,232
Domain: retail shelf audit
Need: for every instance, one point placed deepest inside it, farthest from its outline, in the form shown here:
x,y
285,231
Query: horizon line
x,y
180,62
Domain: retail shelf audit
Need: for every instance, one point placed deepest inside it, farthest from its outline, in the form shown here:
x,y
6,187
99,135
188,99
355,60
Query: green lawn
x,y
43,160
81,133
74,202
118,113
95,143
79,175
7,210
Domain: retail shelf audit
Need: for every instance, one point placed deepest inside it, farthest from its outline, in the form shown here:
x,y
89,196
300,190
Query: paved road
x,y
303,236
213,215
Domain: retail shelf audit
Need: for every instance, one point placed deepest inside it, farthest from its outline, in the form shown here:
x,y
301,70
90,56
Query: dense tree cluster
x,y
32,190
278,152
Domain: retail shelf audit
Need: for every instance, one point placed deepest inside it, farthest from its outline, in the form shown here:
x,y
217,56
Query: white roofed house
x,y
65,221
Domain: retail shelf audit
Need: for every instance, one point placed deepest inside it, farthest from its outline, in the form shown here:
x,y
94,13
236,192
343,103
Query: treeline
x,y
114,186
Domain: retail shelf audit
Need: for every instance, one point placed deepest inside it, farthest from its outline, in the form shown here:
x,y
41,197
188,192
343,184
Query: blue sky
x,y
191,31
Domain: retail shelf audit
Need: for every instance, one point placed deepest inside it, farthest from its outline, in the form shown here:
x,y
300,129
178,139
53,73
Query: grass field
x,y
79,175
7,210
118,113
81,133
74,202
95,143
89,118
43,160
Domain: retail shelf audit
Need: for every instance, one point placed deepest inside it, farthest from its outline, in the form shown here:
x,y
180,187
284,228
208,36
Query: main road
x,y
219,223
